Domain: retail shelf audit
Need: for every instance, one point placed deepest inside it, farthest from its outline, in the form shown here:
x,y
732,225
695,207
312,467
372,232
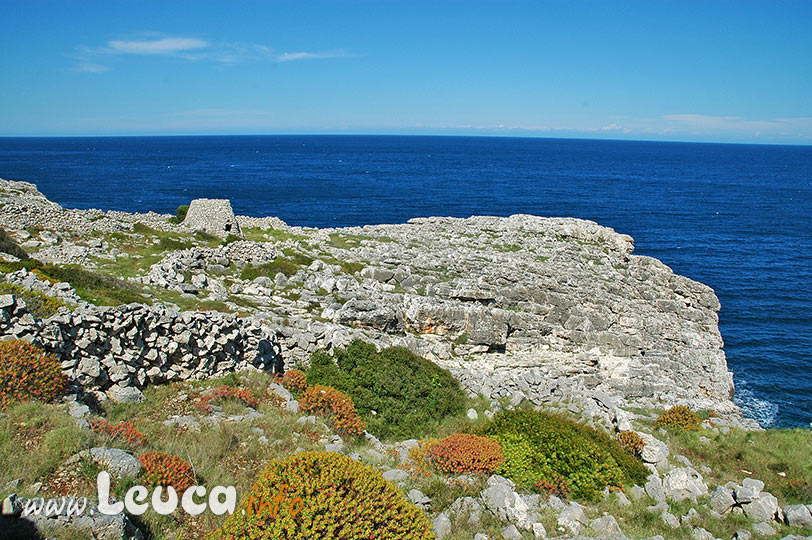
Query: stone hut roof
x,y
213,216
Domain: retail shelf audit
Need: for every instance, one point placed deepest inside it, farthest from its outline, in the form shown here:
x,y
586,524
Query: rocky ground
x,y
524,311
542,309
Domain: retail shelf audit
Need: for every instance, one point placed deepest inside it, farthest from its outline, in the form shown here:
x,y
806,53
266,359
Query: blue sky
x,y
733,71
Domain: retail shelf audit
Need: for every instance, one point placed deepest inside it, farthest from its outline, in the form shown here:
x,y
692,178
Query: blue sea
x,y
737,217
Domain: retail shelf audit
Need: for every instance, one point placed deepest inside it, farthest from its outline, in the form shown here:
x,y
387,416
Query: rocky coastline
x,y
553,315
542,309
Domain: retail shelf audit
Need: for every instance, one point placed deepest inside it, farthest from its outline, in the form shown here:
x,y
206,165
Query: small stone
x,y
511,533
472,414
637,493
670,519
125,394
622,499
798,515
763,529
605,525
12,506
701,534
442,525
743,534
395,475
722,500
539,531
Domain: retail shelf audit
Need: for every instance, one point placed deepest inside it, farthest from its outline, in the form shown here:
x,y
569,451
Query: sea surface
x,y
737,217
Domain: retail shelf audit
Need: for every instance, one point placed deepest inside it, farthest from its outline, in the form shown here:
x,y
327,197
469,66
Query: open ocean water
x,y
737,217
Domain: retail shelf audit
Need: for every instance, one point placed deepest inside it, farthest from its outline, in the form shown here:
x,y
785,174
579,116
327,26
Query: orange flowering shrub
x,y
243,395
337,407
162,469
324,495
124,431
462,453
294,381
631,442
557,485
26,373
679,417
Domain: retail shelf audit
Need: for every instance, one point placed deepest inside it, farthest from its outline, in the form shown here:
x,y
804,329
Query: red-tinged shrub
x,y
558,486
124,431
337,407
463,453
631,442
27,373
162,469
294,381
243,395
324,496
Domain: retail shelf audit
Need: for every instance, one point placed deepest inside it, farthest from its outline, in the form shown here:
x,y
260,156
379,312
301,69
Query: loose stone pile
x,y
171,271
115,351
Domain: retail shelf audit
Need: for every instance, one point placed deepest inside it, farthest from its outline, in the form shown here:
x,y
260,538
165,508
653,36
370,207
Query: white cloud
x,y
293,56
190,49
168,45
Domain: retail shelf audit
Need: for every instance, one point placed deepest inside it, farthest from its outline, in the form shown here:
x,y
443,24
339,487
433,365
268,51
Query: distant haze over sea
x,y
737,217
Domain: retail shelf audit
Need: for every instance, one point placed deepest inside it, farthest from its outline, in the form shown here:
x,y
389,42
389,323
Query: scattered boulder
x,y
117,462
684,483
798,515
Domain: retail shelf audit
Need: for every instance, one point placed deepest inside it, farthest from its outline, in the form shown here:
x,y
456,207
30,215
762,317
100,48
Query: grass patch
x,y
765,454
287,265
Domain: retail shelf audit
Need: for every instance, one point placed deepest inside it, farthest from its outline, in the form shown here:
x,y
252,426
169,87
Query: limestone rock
x,y
684,483
798,515
117,462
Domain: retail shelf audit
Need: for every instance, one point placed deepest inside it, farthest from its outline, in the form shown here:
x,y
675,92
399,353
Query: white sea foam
x,y
762,411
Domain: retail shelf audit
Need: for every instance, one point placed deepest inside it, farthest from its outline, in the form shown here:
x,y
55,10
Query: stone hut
x,y
213,216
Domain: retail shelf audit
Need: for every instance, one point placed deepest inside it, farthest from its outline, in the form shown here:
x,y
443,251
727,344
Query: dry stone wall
x,y
119,350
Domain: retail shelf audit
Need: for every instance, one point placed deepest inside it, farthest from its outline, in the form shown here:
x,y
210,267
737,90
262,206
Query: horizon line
x,y
438,135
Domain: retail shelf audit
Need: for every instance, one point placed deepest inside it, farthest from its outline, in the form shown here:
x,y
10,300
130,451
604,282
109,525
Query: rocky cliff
x,y
522,307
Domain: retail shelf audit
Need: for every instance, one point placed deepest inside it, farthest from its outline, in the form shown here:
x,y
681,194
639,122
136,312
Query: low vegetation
x,y
336,407
555,455
39,304
464,453
27,373
679,417
324,495
8,245
398,394
162,469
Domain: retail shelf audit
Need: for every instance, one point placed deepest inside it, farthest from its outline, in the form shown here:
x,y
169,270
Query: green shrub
x,y
679,417
8,245
27,373
406,392
324,495
180,213
39,304
554,454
